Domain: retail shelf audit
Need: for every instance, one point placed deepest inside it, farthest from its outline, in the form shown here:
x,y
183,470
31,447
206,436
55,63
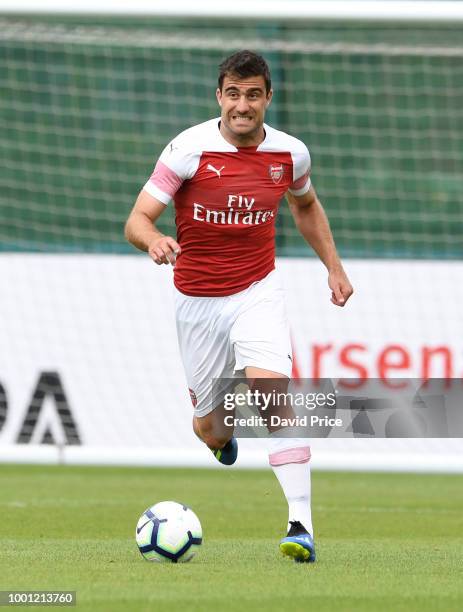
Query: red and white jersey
x,y
226,202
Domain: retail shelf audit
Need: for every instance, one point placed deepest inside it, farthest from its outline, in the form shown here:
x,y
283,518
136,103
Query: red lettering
x,y
346,360
393,357
427,353
317,351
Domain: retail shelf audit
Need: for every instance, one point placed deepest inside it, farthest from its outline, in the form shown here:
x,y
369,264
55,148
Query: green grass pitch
x,y
384,541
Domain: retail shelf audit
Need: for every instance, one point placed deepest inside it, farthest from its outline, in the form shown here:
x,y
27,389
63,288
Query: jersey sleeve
x,y
176,164
301,170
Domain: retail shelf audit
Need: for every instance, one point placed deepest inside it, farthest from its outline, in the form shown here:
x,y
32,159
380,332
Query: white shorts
x,y
220,336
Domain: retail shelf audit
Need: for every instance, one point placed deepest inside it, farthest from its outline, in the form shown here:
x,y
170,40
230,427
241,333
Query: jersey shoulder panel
x,y
180,159
183,153
276,140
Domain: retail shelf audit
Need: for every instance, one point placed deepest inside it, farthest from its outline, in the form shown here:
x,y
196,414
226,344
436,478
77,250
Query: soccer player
x,y
226,177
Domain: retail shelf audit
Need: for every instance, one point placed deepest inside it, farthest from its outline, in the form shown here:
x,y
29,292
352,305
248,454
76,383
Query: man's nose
x,y
243,105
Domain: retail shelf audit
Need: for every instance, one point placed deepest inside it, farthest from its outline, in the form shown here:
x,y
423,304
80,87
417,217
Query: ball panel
x,y
166,509
152,555
194,525
144,534
172,536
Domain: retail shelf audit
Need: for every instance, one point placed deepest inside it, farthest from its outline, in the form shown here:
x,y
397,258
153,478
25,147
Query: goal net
x,y
86,108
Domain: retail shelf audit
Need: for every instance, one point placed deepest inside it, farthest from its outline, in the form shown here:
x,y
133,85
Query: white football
x,y
168,532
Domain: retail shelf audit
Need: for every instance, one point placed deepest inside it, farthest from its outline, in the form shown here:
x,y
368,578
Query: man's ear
x,y
218,95
269,97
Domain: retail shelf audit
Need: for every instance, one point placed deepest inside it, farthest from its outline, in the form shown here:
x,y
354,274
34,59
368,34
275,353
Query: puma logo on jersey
x,y
210,167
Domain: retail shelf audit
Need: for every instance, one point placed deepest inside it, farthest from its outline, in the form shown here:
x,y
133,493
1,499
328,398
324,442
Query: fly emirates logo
x,y
239,211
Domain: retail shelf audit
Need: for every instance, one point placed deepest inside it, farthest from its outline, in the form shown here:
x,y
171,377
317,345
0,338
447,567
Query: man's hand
x,y
341,289
164,250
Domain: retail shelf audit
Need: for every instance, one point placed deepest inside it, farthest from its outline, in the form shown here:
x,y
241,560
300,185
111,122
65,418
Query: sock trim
x,y
290,455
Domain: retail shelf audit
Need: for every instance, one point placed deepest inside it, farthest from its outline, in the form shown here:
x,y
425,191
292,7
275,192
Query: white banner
x,y
90,370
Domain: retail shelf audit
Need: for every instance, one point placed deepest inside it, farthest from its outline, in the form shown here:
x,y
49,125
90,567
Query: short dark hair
x,y
244,64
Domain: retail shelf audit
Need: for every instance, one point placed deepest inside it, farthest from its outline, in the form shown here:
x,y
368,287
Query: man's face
x,y
243,103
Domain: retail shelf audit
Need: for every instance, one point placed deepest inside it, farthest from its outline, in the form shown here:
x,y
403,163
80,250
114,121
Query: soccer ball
x,y
169,532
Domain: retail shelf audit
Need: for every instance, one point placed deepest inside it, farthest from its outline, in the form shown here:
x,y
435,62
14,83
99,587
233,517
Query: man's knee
x,y
211,432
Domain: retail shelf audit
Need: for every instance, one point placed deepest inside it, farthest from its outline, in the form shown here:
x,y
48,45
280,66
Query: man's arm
x,y
312,222
140,230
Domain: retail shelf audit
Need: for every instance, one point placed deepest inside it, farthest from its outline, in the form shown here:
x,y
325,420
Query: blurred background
x,y
89,366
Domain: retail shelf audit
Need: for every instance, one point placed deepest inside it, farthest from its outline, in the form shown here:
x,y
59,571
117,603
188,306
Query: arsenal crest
x,y
194,399
276,172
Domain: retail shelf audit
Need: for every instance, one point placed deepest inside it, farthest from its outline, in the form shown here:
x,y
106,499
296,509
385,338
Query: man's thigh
x,y
260,335
203,330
